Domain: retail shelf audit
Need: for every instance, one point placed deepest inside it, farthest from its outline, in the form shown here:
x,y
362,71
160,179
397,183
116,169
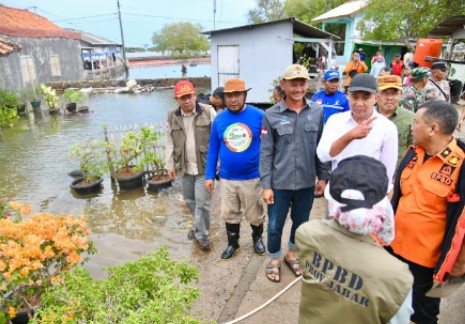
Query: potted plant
x,y
34,251
91,157
152,289
9,107
127,163
50,97
153,157
32,94
73,97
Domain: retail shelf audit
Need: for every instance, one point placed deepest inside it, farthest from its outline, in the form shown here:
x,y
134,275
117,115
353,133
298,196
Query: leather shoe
x,y
258,246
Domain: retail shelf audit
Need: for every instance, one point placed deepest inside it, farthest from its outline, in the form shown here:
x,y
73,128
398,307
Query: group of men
x,y
284,157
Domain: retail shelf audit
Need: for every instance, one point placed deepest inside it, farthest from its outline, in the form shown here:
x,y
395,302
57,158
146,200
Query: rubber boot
x,y
258,245
233,238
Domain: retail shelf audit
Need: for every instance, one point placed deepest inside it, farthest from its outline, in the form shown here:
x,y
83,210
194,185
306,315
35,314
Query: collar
x,y
197,110
282,105
351,118
362,238
451,154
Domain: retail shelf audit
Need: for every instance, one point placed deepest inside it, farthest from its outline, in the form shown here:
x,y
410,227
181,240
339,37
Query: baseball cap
x,y
419,73
331,75
363,82
218,92
439,65
295,71
362,173
182,88
389,82
234,85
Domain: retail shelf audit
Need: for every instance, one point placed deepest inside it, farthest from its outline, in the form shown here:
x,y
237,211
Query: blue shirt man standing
x,y
332,100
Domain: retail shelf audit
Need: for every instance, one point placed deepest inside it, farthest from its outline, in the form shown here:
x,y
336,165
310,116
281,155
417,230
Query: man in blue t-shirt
x,y
332,100
235,141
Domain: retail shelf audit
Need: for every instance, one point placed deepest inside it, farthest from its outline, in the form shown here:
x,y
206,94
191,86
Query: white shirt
x,y
380,143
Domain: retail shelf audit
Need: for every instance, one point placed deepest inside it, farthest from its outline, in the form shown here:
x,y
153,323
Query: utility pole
x,y
122,40
214,13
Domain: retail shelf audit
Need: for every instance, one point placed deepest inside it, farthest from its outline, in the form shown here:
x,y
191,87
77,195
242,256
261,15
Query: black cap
x,y
218,92
439,65
361,173
363,82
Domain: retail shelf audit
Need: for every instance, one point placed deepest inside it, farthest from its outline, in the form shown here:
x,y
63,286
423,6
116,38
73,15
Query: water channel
x,y
125,224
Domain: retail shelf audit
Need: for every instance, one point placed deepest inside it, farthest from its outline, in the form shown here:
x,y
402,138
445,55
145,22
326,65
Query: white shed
x,y
259,53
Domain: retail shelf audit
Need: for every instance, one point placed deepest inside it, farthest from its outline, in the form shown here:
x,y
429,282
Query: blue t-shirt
x,y
332,103
235,140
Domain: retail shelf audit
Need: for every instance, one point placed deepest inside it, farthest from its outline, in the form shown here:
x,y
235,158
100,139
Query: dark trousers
x,y
426,309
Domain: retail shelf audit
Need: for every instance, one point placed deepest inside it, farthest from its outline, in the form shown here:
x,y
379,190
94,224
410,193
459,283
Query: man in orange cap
x,y
187,139
235,141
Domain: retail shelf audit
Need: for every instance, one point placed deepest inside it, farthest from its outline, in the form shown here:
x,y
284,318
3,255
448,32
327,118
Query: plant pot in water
x,y
21,109
35,104
158,180
129,181
82,187
71,107
53,111
83,109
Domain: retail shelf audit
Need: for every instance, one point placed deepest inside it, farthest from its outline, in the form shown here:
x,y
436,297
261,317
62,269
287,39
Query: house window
x,y
55,65
28,69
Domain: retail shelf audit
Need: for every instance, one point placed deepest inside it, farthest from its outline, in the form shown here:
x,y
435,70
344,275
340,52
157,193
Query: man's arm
x,y
390,153
169,150
458,269
213,151
266,154
359,131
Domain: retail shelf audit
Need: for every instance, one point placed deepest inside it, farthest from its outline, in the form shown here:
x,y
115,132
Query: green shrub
x,y
153,289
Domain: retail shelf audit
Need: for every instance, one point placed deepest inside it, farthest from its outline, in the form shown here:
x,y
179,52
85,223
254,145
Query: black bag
x,y
353,73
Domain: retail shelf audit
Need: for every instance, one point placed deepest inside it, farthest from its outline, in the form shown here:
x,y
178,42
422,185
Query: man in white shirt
x,y
360,131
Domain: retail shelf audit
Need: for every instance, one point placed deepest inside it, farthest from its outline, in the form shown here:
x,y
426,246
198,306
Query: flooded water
x,y
169,71
34,168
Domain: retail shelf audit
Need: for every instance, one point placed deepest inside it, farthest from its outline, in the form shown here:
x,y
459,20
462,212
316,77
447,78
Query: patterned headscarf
x,y
378,220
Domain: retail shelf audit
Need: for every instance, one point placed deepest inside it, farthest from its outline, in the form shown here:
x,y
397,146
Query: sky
x,y
140,18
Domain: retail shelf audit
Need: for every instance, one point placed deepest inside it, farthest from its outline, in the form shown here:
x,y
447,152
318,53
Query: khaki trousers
x,y
241,197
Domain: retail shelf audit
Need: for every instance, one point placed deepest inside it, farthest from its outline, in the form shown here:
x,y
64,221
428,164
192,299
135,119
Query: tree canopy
x,y
182,39
393,20
266,10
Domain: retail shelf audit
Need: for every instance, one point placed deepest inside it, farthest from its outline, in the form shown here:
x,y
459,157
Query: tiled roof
x,y
22,23
7,46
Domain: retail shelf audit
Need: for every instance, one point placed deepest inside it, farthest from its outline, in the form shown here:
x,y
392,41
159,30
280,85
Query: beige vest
x,y
202,130
347,278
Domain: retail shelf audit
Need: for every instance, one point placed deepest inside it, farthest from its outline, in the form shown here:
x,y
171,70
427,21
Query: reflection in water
x,y
35,165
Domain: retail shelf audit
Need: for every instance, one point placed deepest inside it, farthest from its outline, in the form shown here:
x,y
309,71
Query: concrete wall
x,y
264,53
41,50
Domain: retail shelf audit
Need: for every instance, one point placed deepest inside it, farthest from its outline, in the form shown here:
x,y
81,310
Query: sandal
x,y
294,266
270,270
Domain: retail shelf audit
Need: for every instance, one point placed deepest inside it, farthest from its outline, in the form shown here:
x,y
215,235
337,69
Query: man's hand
x,y
320,188
209,185
268,196
172,173
363,129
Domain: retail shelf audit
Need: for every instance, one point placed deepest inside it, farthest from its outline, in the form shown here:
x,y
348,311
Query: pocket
x,y
285,130
203,154
177,156
311,127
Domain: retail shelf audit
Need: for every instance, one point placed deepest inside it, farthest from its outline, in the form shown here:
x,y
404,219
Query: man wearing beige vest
x,y
348,277
187,139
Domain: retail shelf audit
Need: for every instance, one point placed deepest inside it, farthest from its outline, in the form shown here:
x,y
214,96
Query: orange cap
x,y
182,88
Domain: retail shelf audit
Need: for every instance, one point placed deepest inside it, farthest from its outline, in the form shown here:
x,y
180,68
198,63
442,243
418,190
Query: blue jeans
x,y
198,200
300,201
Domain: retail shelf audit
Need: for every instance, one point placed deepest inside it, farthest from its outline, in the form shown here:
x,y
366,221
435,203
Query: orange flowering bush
x,y
33,252
13,210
